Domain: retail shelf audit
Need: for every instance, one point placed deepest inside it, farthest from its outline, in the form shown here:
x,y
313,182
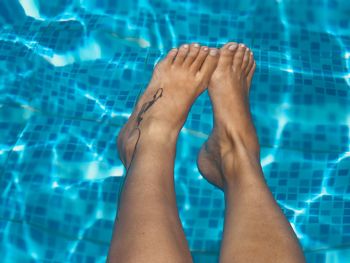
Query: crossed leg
x,y
148,228
255,228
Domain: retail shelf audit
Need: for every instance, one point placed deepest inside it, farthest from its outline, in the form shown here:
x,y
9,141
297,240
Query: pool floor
x,y
71,71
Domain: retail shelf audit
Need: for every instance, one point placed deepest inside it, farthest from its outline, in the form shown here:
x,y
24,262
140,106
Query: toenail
x,y
205,48
185,46
241,45
232,47
213,52
196,45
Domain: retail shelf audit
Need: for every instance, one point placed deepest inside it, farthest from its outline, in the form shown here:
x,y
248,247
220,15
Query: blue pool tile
x,y
29,238
71,72
76,142
12,123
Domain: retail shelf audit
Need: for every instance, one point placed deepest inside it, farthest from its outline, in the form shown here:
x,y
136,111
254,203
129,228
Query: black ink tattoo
x,y
145,107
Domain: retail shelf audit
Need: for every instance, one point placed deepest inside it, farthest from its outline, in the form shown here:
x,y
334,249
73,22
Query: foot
x,y
233,127
162,110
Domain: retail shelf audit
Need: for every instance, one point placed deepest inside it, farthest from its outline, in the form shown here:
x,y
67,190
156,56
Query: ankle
x,y
238,161
152,135
232,140
154,130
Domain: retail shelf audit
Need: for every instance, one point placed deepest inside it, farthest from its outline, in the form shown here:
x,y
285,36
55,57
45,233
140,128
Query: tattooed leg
x,y
148,228
139,119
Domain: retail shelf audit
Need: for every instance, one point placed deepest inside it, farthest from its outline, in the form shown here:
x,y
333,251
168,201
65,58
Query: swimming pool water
x,y
71,70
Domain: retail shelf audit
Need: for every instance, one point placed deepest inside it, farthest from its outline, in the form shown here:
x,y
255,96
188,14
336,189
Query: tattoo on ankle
x,y
145,107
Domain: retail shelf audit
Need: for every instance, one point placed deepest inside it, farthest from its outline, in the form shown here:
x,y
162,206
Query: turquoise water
x,y
71,70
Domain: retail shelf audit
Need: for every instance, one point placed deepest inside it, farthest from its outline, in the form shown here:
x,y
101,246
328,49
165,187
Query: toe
x,y
193,53
197,63
250,63
239,55
210,64
251,73
226,54
245,61
181,54
169,59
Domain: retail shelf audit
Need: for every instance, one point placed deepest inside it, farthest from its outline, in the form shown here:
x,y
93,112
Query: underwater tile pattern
x,y
71,71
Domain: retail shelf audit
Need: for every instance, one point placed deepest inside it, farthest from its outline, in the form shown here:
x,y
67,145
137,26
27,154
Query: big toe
x,y
198,62
210,64
226,54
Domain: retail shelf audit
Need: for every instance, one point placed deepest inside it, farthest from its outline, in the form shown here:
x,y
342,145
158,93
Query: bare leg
x,y
255,228
148,228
